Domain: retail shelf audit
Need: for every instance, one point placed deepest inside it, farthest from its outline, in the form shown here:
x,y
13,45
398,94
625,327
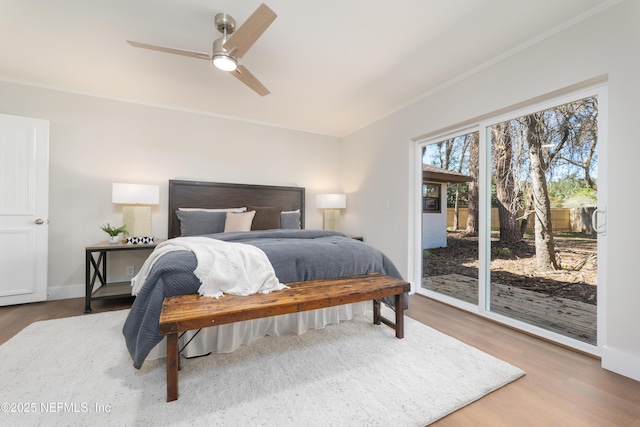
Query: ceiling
x,y
332,66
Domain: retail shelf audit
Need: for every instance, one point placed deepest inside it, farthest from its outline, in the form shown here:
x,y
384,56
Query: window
x,y
431,197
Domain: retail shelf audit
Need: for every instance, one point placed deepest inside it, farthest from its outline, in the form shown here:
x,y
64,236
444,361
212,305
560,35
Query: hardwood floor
x,y
15,318
561,387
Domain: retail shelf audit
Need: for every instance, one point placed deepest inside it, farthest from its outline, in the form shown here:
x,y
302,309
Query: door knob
x,y
38,221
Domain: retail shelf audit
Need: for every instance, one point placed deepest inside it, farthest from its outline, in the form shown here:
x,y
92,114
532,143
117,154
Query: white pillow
x,y
243,209
239,221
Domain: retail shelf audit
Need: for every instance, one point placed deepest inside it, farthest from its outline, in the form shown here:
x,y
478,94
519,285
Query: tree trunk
x,y
581,219
456,207
473,196
504,180
545,246
527,208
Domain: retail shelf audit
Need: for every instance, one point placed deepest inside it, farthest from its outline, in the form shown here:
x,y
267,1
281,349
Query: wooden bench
x,y
187,312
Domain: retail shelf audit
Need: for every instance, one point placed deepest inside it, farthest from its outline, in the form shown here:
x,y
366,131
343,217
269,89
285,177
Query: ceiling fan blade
x,y
175,51
244,37
242,74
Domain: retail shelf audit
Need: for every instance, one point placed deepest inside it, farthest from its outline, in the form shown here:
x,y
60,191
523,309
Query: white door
x,y
24,209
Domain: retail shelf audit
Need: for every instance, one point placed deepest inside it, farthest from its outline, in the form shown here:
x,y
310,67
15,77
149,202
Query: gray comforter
x,y
296,255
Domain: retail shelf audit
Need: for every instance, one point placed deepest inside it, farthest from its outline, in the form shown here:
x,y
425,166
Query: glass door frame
x,y
418,221
484,235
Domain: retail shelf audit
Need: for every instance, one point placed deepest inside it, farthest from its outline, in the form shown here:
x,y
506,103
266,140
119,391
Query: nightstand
x,y
96,269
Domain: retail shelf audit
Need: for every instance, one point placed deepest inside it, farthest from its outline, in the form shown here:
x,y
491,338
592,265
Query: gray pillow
x,y
290,220
194,223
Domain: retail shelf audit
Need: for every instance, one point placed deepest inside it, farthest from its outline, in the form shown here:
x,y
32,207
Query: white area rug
x,y
76,371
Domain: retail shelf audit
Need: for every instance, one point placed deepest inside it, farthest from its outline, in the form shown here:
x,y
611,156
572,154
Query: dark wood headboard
x,y
216,195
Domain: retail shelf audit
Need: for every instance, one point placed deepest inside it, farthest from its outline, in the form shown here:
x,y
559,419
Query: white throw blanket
x,y
223,267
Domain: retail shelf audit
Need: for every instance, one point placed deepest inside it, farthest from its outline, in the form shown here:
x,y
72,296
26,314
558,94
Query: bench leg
x,y
376,312
400,315
398,326
172,367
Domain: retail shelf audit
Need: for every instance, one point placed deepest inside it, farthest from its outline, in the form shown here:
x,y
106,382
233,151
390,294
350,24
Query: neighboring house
x,y
434,204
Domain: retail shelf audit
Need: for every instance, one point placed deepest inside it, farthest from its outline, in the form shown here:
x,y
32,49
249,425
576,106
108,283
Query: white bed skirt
x,y
227,338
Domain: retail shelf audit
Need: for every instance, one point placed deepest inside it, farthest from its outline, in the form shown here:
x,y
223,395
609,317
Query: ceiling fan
x,y
227,50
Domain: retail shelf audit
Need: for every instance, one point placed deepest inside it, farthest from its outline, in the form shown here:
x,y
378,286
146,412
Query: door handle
x,y
599,228
38,221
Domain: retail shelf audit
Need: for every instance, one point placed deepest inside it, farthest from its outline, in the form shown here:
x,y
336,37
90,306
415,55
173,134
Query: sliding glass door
x,y
513,218
450,217
544,191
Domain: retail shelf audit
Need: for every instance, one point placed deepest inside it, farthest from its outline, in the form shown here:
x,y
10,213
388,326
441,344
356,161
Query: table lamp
x,y
331,203
137,218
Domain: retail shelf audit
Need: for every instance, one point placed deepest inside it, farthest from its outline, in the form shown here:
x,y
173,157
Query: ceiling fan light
x,y
224,62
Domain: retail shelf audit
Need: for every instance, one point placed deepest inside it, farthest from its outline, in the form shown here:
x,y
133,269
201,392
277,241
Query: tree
x,y
545,246
473,197
579,130
466,140
505,183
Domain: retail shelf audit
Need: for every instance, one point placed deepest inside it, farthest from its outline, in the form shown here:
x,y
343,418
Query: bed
x,y
197,208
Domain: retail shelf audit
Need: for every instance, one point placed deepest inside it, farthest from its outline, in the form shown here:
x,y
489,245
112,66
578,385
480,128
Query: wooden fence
x,y
562,219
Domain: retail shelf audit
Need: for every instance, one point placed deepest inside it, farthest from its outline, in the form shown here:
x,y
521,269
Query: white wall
x,y
380,157
434,230
434,225
95,142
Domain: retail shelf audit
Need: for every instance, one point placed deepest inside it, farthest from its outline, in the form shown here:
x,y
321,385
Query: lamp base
x,y
331,220
138,220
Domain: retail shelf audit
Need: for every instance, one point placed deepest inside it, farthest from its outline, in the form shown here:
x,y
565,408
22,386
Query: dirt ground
x,y
516,264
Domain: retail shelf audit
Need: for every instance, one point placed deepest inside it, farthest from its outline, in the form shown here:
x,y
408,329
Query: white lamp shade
x,y
135,194
331,201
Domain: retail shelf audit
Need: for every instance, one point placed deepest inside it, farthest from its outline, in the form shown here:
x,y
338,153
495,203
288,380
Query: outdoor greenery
x,y
539,161
571,191
568,192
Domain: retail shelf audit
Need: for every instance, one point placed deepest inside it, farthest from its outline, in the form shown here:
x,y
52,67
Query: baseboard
x,y
621,363
65,292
